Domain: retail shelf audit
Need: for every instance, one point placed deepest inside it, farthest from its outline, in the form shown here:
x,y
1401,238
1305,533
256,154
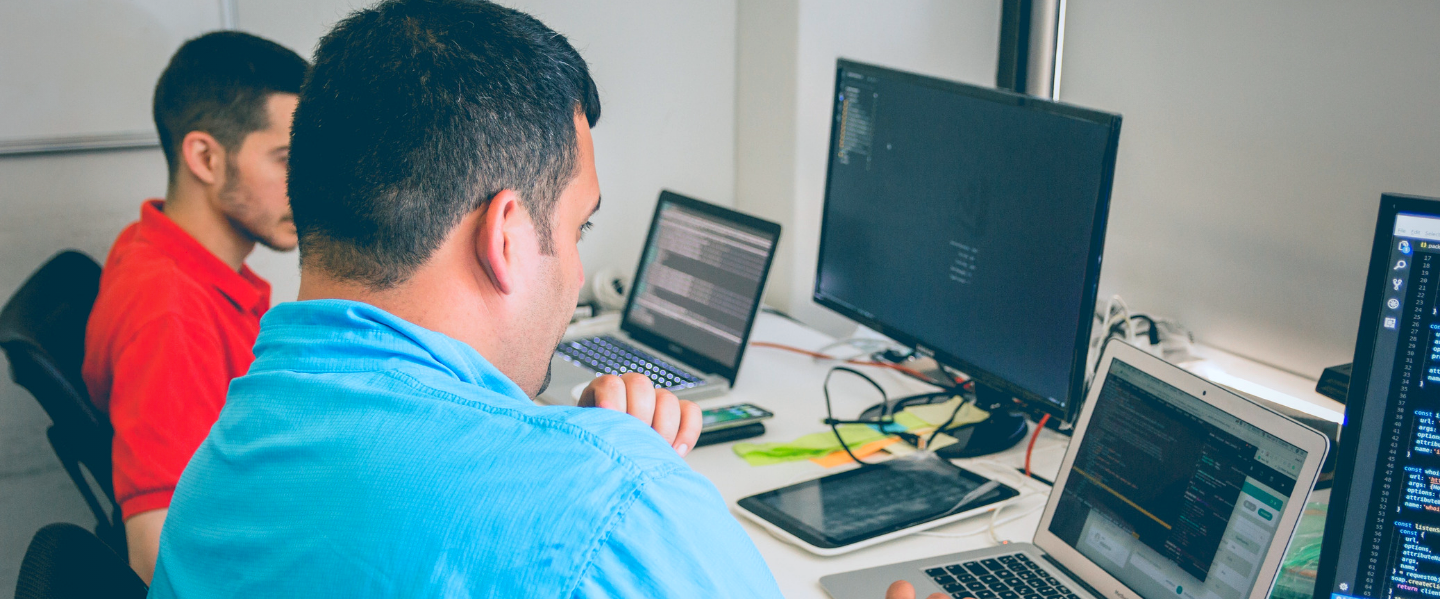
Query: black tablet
x,y
872,504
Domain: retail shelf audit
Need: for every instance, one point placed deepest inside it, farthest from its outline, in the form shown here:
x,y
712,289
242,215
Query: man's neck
x,y
194,212
444,304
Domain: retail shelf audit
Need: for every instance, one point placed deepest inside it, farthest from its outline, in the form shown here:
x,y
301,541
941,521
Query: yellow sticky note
x,y
936,414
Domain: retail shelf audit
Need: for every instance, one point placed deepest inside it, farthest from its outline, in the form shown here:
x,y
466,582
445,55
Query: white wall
x,y
786,75
666,72
1258,137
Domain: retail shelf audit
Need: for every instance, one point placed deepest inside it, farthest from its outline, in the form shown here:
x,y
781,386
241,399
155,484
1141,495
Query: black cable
x,y
830,412
953,414
1151,331
897,405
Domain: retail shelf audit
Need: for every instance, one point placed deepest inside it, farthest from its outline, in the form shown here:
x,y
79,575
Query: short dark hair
x,y
219,83
417,113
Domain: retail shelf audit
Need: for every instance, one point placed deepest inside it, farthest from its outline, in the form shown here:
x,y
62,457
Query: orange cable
x,y
1038,427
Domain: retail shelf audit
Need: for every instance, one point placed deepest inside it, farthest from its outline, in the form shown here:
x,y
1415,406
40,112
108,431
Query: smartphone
x,y
732,416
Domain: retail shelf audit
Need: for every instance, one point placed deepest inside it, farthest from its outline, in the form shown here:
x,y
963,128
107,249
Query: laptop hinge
x,y
1077,579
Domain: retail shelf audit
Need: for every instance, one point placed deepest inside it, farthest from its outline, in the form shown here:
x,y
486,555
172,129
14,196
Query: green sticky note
x,y
814,445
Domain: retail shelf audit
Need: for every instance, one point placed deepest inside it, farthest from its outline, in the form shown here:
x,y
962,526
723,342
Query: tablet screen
x,y
849,507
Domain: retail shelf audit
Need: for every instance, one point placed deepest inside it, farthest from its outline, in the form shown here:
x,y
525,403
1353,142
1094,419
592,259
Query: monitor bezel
x,y
1391,205
1313,442
678,351
1033,401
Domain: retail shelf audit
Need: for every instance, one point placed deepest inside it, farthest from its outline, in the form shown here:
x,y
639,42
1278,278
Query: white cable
x,y
994,522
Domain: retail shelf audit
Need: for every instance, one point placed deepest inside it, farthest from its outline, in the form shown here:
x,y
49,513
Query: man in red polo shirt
x,y
178,310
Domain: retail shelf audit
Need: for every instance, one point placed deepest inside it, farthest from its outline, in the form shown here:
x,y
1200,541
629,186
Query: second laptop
x,y
688,317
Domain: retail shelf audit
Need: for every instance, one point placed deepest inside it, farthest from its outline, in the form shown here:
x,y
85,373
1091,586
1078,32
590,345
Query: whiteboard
x,y
87,68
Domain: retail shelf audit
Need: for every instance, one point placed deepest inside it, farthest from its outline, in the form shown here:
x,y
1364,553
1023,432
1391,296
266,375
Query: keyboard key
x,y
1007,558
985,595
1049,592
966,577
1072,596
1052,581
1002,573
976,586
1009,595
1012,581
957,570
1031,596
989,579
962,595
1026,574
1021,557
933,572
1062,589
944,579
975,568
954,588
992,564
999,586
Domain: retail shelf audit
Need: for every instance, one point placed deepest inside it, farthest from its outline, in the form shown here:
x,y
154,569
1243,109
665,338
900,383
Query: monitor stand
x,y
1002,430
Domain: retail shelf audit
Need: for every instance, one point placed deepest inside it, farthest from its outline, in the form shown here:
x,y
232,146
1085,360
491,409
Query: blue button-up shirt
x,y
364,456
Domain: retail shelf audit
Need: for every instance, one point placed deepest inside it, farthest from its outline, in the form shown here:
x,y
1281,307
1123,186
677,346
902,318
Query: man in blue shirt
x,y
384,442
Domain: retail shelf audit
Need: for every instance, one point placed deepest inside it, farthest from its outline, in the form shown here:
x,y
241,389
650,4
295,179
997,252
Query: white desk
x,y
788,384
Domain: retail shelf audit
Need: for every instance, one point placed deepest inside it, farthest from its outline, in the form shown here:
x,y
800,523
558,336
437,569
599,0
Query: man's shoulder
x,y
624,443
141,282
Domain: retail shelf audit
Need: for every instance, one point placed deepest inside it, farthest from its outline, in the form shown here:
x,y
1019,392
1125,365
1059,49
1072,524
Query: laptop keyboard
x,y
609,355
1006,577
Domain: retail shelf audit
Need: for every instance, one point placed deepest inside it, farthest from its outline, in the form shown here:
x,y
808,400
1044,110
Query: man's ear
x,y
203,156
495,244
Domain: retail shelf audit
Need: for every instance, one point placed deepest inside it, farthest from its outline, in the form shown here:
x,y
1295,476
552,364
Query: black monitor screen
x,y
968,221
1385,506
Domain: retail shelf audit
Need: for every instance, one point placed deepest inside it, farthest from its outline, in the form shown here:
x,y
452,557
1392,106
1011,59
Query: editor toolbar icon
x,y
1396,283
1405,247
1394,304
1401,264
1389,322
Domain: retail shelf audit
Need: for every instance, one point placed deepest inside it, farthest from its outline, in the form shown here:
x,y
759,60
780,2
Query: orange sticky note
x,y
840,457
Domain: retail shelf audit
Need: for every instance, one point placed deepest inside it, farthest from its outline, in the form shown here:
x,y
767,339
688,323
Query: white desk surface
x,y
788,384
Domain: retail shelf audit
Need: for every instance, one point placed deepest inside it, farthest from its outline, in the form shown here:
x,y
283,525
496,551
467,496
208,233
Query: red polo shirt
x,y
171,326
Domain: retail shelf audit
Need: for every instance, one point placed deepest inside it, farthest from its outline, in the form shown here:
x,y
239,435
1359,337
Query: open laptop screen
x,y
1172,496
700,279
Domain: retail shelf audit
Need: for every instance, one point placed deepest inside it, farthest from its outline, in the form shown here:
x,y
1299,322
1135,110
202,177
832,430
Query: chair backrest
x,y
42,331
65,561
45,322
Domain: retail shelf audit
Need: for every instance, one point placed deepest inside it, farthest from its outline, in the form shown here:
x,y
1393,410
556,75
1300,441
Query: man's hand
x,y
902,590
678,422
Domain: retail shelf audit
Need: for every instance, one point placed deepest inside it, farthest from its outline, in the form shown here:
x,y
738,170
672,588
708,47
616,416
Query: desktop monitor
x,y
967,222
1386,499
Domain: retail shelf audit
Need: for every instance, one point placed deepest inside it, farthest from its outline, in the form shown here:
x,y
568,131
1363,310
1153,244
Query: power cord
x,y
856,362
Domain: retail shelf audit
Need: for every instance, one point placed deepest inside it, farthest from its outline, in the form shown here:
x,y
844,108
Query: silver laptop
x,y
1172,488
690,310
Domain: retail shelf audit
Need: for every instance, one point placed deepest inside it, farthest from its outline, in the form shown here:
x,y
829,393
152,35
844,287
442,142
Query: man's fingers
x,y
606,391
900,590
639,397
667,415
678,422
690,422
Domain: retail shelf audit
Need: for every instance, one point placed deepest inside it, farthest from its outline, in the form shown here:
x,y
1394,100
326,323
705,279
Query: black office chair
x,y
65,561
42,331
